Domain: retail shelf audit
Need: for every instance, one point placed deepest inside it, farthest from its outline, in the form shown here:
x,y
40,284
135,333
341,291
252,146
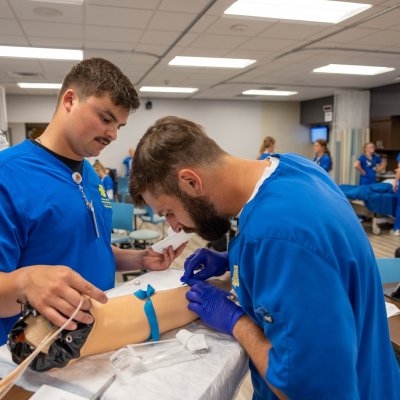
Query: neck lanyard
x,y
77,178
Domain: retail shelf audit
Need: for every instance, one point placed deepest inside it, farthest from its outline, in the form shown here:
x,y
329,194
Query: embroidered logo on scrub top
x,y
235,276
104,199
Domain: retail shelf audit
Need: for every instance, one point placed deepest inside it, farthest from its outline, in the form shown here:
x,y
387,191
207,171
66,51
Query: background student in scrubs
x,y
55,217
106,180
322,156
267,148
368,164
307,305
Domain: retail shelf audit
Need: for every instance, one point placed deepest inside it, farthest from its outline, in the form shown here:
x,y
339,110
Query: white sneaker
x,y
395,232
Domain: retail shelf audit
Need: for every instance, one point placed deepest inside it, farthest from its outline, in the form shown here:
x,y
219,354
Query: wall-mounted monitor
x,y
319,132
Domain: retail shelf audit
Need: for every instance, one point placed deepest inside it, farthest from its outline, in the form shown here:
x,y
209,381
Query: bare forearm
x,y
11,290
127,260
381,167
257,346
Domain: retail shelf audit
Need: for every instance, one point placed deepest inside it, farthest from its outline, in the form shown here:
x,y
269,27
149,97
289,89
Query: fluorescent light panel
x,y
211,62
167,89
352,69
25,85
298,10
257,92
42,53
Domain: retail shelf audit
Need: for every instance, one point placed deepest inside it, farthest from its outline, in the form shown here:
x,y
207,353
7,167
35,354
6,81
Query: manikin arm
x,y
119,322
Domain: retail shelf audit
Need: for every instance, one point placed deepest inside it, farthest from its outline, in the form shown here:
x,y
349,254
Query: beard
x,y
208,224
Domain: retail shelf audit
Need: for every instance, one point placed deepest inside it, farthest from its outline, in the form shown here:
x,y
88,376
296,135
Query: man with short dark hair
x,y
55,217
309,306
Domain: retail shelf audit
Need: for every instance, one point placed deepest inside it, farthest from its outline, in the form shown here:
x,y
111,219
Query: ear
x,y
190,182
68,99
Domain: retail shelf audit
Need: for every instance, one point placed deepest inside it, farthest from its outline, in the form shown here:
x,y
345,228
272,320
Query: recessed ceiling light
x,y
167,89
211,62
42,53
25,85
304,10
47,12
239,28
352,69
258,92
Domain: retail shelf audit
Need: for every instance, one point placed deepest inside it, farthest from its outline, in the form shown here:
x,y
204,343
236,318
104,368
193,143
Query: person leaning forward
x,y
310,310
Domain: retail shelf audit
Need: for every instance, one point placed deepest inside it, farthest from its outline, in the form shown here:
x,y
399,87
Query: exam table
x,y
216,374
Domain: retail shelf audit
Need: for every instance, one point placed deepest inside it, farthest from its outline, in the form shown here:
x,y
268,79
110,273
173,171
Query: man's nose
x,y
174,224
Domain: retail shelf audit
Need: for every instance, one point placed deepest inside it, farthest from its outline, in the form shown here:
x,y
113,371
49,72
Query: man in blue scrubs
x,y
55,217
307,304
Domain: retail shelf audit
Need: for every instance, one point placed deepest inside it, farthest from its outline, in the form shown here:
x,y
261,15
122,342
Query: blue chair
x,y
389,269
153,218
123,188
123,219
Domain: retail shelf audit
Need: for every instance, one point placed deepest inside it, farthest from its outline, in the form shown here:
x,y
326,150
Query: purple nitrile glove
x,y
214,307
211,263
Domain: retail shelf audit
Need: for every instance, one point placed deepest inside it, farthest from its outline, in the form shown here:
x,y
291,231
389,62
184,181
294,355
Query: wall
x,y
311,111
385,101
237,126
281,121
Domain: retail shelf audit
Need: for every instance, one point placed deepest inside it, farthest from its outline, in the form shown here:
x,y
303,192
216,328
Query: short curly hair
x,y
96,77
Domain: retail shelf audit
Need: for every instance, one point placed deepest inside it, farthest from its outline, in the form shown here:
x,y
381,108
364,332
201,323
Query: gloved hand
x,y
213,262
214,307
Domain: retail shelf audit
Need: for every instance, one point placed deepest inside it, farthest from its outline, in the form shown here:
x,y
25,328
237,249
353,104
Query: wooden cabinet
x,y
385,133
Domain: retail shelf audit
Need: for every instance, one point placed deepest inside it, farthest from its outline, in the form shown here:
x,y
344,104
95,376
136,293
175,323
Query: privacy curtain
x,y
350,130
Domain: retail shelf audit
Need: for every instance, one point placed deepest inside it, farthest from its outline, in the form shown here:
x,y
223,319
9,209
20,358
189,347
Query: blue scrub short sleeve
x,y
13,230
297,299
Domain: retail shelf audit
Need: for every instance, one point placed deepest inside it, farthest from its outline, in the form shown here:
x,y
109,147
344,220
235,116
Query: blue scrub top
x,y
264,156
324,162
368,165
108,183
305,273
44,218
127,162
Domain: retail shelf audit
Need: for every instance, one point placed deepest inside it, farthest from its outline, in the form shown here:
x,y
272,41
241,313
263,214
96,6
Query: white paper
x,y
49,392
391,310
174,239
160,280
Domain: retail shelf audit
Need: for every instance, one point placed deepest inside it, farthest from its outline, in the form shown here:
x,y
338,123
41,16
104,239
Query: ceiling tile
x,y
284,30
56,42
6,40
380,38
140,4
51,29
189,6
151,48
170,21
10,27
158,37
5,10
115,16
203,23
267,44
105,46
383,22
218,41
113,34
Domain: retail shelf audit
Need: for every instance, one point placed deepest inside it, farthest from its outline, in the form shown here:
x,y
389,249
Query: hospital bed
x,y
377,202
213,375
